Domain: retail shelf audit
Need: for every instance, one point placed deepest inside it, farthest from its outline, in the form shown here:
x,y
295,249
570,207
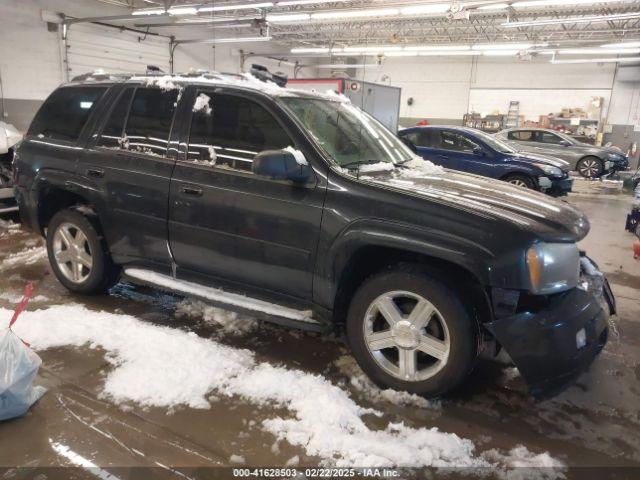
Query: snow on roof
x,y
245,80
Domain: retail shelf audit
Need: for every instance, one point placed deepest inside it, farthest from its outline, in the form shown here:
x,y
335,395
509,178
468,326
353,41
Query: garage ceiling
x,y
324,24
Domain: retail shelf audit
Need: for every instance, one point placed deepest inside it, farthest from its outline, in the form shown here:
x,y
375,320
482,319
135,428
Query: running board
x,y
232,301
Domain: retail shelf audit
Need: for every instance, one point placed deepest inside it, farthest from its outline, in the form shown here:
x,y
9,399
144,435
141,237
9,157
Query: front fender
x,y
444,246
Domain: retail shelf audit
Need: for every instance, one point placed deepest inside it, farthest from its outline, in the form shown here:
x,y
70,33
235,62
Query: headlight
x,y
553,267
549,169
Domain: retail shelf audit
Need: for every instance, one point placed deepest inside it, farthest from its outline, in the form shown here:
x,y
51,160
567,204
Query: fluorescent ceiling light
x,y
556,21
599,60
502,46
450,53
401,54
494,6
289,3
288,17
378,12
378,48
237,40
427,8
310,50
500,53
598,51
150,11
182,11
243,6
423,48
621,45
559,3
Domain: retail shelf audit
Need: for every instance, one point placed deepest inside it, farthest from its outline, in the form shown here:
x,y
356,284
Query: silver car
x,y
590,161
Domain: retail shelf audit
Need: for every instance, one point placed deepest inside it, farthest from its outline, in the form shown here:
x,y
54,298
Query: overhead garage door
x,y
92,47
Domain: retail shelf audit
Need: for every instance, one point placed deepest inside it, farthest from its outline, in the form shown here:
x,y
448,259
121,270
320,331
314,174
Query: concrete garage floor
x,y
595,423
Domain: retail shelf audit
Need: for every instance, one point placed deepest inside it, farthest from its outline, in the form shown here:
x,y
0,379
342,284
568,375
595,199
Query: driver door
x,y
228,223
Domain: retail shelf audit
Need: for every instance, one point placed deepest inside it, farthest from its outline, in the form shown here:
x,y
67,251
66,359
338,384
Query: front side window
x,y
458,143
229,131
347,135
65,113
546,137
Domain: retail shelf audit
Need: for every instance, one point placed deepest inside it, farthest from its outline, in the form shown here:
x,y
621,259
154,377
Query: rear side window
x,y
140,121
227,130
522,135
149,123
113,132
65,113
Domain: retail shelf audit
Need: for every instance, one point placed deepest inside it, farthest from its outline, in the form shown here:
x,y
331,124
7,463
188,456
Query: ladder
x,y
513,115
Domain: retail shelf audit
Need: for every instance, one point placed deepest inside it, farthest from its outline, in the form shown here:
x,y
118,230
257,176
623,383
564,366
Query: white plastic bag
x,y
18,369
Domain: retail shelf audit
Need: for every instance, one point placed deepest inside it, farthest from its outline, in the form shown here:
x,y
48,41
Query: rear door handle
x,y
195,191
95,172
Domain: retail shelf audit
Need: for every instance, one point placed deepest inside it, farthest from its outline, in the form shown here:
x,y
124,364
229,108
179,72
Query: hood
x,y
532,157
549,219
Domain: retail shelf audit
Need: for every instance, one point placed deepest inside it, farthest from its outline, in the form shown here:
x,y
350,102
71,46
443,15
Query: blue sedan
x,y
473,151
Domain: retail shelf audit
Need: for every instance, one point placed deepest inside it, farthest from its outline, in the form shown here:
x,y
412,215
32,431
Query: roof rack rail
x,y
262,73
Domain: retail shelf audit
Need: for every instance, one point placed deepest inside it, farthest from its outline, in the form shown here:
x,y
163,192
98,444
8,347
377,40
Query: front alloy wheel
x,y
590,167
406,336
410,331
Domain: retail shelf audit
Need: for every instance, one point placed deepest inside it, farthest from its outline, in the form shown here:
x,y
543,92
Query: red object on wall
x,y
421,123
636,249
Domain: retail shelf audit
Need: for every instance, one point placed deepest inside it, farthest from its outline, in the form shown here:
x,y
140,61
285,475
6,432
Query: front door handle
x,y
444,157
95,172
195,191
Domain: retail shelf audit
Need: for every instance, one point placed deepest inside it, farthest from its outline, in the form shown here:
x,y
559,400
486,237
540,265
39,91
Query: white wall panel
x,y
533,103
91,47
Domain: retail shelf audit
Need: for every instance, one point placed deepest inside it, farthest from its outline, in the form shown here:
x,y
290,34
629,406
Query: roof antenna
x,y
154,69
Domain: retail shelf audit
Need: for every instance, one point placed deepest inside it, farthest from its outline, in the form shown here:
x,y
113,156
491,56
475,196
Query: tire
x,y
70,231
520,180
590,167
449,324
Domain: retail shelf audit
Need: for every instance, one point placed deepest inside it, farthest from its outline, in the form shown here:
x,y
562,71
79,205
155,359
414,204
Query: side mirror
x,y
479,152
281,165
564,143
410,144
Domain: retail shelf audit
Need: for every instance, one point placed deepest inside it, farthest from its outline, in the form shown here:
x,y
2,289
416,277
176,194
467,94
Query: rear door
x,y
228,223
128,162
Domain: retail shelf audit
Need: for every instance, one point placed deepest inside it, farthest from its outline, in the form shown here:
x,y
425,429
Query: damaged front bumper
x,y
553,344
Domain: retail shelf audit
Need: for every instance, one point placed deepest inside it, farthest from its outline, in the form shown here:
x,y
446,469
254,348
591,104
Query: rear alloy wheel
x,y
412,333
520,181
590,167
77,254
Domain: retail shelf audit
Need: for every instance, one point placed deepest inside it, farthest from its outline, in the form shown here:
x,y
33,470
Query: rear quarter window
x,y
64,114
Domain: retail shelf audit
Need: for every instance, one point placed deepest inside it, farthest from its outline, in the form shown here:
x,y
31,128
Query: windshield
x,y
348,135
495,143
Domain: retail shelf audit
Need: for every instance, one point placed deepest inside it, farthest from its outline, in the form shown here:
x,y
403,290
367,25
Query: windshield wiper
x,y
358,163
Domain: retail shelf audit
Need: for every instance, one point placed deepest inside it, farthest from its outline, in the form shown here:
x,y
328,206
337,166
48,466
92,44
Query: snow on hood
x,y
9,136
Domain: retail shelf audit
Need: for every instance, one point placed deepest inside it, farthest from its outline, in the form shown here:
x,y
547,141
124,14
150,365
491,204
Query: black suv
x,y
301,209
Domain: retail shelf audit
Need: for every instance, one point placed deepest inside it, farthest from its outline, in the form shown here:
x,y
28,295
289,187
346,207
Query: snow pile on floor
x,y
162,366
28,256
359,380
230,323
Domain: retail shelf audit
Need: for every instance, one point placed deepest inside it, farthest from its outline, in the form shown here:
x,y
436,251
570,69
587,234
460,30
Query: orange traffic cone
x,y
636,249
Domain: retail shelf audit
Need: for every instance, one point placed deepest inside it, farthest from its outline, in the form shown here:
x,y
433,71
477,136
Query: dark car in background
x,y
302,209
473,151
588,160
